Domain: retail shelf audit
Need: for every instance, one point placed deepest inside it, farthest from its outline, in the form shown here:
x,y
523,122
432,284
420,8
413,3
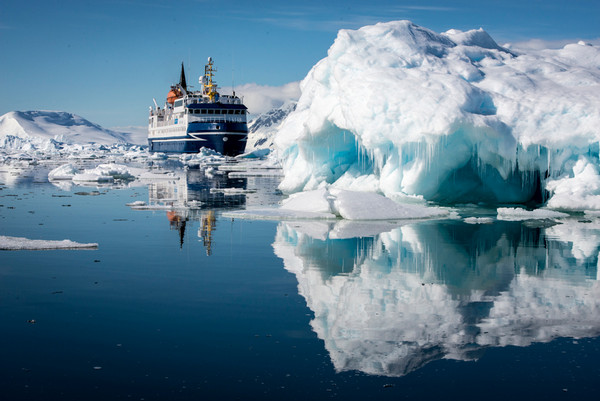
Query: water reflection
x,y
387,301
194,195
191,195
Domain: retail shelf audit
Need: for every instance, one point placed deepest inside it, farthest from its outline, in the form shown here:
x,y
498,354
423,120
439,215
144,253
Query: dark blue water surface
x,y
195,305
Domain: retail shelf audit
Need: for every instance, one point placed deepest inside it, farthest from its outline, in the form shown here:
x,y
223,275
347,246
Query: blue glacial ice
x,y
398,109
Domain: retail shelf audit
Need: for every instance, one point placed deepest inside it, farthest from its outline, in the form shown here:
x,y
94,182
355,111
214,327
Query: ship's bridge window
x,y
178,103
211,111
230,112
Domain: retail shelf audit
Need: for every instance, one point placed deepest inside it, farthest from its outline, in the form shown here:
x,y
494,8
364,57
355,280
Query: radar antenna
x,y
210,87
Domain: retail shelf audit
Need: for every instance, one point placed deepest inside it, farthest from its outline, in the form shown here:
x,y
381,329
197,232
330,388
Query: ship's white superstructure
x,y
191,120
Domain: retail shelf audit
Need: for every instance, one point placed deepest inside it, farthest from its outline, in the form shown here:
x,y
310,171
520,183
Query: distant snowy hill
x,y
452,117
262,130
19,127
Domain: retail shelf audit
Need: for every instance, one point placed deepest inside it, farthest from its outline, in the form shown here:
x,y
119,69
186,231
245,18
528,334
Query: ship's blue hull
x,y
226,138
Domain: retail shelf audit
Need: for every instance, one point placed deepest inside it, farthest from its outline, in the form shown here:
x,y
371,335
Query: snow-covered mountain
x,y
452,117
262,130
20,127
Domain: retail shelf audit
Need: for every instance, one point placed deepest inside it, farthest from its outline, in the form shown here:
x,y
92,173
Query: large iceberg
x,y
451,117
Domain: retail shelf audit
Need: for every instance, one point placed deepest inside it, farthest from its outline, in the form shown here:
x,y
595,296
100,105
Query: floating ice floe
x,y
136,203
204,157
232,191
478,220
64,172
515,214
255,154
335,203
19,243
105,173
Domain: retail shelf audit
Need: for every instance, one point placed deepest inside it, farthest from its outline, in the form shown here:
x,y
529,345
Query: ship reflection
x,y
195,195
208,226
393,300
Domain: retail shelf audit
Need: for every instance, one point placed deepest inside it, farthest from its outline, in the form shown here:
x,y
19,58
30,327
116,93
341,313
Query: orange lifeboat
x,y
173,95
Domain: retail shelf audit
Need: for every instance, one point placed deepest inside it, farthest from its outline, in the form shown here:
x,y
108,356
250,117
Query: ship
x,y
191,120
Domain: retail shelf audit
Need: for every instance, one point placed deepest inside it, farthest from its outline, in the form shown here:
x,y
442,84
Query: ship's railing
x,y
157,112
164,123
170,121
223,119
225,99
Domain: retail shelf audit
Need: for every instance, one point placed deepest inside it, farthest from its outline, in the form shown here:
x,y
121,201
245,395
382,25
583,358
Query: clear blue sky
x,y
106,60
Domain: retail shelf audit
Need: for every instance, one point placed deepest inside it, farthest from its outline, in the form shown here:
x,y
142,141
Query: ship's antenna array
x,y
210,88
232,75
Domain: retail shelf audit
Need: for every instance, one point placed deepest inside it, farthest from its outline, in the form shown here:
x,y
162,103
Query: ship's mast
x,y
182,82
210,87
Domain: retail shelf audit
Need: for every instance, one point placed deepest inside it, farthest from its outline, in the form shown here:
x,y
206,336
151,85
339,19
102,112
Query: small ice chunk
x,y
92,177
478,220
64,172
136,203
517,214
19,243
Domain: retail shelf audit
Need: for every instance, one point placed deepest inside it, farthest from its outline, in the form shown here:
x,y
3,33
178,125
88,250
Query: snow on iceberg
x,y
19,243
577,191
453,117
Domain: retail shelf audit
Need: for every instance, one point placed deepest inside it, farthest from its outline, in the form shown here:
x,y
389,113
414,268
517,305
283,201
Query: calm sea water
x,y
188,304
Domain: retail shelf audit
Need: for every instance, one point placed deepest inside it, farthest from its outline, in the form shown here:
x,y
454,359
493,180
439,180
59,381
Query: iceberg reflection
x,y
388,300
